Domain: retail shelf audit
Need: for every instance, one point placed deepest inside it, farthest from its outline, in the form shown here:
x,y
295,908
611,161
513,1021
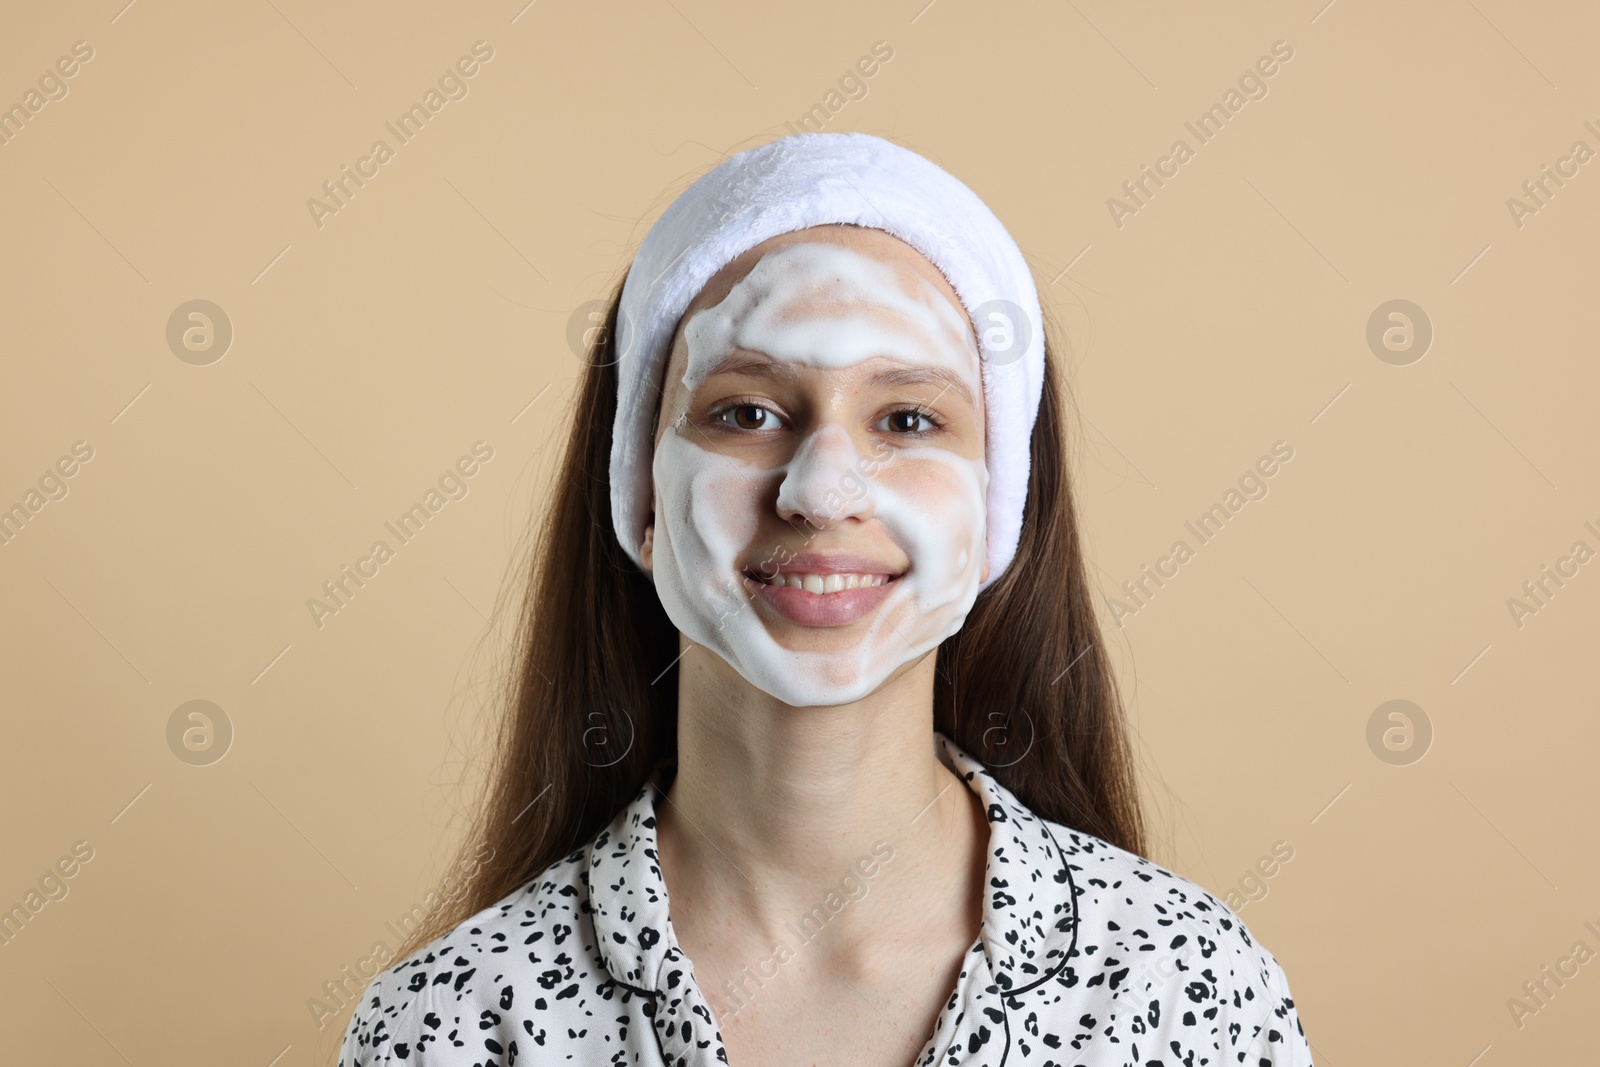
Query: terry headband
x,y
813,179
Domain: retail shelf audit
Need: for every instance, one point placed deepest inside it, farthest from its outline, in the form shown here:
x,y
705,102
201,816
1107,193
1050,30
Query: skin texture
x,y
774,804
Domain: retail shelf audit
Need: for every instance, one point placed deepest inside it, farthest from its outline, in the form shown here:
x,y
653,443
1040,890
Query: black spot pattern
x,y
1089,956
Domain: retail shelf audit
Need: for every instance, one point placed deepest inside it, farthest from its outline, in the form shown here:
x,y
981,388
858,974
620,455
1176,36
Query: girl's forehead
x,y
911,269
831,301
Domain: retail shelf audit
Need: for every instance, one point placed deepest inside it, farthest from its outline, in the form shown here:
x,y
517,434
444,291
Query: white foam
x,y
828,306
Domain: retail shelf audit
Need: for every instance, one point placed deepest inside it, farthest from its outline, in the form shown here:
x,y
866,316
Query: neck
x,y
773,807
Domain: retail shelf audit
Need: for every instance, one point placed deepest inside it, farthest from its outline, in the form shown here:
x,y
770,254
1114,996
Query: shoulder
x,y
1167,957
1113,885
535,939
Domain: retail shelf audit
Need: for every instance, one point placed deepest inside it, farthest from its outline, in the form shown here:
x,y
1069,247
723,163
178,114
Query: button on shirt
x,y
1088,956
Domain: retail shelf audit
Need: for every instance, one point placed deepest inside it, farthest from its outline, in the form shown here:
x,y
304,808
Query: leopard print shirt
x,y
1088,956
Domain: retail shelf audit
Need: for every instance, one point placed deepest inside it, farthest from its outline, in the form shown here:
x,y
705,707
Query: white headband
x,y
813,179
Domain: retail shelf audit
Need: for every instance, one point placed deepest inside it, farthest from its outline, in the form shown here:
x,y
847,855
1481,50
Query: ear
x,y
984,577
647,549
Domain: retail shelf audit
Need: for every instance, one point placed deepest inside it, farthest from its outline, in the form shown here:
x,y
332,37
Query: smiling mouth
x,y
823,597
821,584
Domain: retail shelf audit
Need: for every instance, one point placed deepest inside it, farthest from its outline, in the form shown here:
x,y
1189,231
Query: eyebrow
x,y
759,366
926,376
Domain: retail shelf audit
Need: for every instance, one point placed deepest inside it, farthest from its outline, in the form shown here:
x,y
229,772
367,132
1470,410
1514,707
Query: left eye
x,y
906,421
750,417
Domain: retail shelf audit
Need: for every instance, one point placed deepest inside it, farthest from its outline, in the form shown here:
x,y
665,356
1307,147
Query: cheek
x,y
706,508
933,503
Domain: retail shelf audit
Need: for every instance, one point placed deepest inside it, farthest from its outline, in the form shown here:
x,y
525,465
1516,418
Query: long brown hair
x,y
1025,686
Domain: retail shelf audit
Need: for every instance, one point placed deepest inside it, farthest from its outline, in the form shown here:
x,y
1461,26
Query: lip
x,y
821,609
825,609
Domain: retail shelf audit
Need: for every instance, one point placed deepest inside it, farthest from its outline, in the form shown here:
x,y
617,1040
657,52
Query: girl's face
x,y
819,465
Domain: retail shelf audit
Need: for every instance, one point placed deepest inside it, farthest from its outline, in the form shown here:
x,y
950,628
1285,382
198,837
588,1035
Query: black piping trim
x,y
652,993
1072,890
1005,1017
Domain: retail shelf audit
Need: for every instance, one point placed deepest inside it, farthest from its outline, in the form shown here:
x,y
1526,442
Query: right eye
x,y
750,417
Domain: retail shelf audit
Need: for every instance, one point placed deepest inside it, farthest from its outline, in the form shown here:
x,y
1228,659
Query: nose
x,y
823,484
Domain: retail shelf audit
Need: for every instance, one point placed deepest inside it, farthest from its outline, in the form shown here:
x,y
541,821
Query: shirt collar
x,y
1029,908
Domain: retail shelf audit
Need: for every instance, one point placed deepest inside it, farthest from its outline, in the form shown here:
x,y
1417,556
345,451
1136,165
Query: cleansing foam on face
x,y
826,306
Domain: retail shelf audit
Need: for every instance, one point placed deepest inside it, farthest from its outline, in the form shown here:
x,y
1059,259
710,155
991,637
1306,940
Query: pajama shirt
x,y
1088,956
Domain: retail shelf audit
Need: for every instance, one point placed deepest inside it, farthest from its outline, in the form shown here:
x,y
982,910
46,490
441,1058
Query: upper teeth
x,y
826,583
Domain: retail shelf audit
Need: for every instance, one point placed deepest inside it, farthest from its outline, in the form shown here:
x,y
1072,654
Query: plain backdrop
x,y
1218,314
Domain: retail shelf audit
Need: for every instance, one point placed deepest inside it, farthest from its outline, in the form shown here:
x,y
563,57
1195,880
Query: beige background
x,y
431,312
